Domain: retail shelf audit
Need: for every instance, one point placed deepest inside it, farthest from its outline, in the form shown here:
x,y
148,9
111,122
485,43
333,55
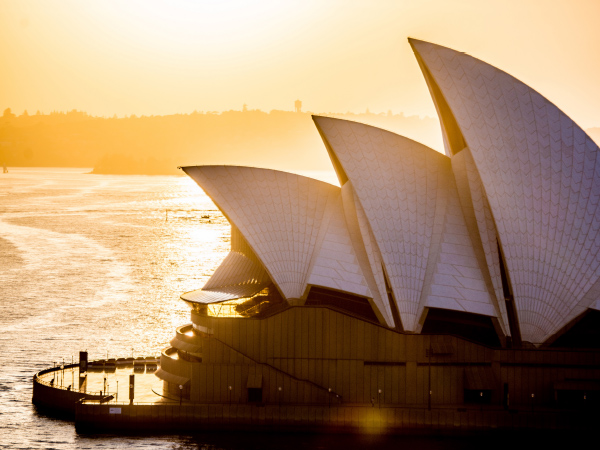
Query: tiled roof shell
x,y
541,176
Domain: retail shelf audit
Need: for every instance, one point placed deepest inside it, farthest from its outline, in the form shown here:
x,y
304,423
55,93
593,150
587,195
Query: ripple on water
x,y
89,263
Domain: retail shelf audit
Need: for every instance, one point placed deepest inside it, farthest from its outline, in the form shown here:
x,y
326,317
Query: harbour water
x,y
97,263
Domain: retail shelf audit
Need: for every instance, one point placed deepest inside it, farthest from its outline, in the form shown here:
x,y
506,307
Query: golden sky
x,y
148,57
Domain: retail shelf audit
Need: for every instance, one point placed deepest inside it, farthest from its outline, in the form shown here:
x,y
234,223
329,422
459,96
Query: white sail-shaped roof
x,y
337,261
279,214
240,275
480,222
287,229
457,280
410,201
540,172
335,264
368,254
240,266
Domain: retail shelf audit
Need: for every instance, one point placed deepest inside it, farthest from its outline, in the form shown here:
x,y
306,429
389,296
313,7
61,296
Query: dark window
x,y
584,334
473,327
255,395
479,397
358,306
578,399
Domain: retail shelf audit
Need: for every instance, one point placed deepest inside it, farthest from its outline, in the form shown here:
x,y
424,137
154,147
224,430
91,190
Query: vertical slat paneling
x,y
346,334
277,337
402,386
239,327
210,382
295,333
319,333
311,330
387,383
367,343
332,335
338,335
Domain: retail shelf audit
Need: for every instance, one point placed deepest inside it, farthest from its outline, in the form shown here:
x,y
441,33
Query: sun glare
x,y
158,57
227,27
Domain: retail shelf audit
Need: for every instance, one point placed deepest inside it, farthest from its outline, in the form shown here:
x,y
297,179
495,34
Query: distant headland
x,y
156,145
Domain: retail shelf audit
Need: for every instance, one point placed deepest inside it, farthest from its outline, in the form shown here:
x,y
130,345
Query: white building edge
x,y
504,227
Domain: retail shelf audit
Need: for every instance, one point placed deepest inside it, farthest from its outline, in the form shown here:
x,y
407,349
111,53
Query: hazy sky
x,y
163,57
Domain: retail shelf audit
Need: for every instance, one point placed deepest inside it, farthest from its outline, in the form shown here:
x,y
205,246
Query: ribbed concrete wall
x,y
356,359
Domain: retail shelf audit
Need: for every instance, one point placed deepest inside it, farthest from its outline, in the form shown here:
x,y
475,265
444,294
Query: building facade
x,y
425,280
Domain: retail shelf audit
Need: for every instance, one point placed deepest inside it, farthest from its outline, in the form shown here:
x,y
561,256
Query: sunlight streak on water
x,y
59,265
97,263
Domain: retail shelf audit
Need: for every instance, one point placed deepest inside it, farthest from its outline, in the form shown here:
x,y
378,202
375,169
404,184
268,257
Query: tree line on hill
x,y
151,145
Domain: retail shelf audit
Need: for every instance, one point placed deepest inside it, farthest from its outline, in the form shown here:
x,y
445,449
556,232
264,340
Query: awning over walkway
x,y
224,293
186,347
170,378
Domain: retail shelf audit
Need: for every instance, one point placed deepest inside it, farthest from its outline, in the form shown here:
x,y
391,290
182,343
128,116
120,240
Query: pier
x,y
99,401
59,388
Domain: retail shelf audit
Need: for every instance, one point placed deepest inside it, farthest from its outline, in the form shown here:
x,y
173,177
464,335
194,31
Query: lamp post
x,y
329,397
532,397
180,394
230,395
379,391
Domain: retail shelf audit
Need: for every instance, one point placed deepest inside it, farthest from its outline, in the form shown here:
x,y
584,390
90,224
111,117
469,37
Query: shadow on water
x,y
41,412
275,441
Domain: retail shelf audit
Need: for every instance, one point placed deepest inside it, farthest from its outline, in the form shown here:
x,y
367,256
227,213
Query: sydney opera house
x,y
425,280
